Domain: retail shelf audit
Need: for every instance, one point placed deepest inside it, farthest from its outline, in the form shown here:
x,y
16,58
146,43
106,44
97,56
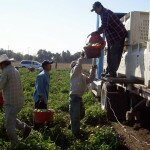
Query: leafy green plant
x,y
56,135
60,119
104,137
26,114
94,115
88,99
64,107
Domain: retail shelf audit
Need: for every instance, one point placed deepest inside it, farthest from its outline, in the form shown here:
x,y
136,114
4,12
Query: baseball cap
x,y
46,62
95,5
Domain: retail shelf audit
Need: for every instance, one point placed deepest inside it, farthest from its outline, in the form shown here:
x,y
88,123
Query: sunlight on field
x,y
67,66
96,132
60,65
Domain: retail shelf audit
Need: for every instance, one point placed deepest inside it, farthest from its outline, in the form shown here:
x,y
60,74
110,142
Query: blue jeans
x,y
114,56
77,112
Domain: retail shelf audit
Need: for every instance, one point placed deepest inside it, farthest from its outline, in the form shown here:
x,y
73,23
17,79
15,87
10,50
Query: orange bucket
x,y
41,116
1,100
94,46
93,51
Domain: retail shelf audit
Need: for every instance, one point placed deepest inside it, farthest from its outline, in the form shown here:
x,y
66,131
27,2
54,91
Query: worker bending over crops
x,y
115,33
42,86
78,83
10,84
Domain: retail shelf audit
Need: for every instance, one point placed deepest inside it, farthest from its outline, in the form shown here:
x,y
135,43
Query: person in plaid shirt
x,y
10,84
115,34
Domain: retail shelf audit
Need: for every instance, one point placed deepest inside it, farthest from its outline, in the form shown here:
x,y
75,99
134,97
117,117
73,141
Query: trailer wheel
x,y
108,95
113,97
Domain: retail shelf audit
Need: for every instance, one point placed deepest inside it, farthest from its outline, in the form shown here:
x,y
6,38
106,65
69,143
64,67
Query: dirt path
x,y
142,135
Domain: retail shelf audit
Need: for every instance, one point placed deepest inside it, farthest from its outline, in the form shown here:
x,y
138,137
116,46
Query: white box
x,y
149,28
135,62
147,66
137,24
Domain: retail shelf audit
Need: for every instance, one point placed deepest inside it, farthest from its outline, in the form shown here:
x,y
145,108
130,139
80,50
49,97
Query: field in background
x,y
96,133
60,65
67,66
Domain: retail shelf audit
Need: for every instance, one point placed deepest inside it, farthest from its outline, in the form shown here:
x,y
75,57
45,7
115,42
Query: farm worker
x,y
42,86
10,84
78,85
115,33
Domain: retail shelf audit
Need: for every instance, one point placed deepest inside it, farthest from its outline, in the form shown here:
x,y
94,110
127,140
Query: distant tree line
x,y
42,54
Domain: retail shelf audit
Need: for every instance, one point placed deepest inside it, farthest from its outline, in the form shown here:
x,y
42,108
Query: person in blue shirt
x,y
42,86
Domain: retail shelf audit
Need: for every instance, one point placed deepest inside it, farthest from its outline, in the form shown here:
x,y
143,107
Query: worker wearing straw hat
x,y
10,84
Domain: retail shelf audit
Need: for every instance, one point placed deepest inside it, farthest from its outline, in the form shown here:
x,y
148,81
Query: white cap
x,y
3,58
73,63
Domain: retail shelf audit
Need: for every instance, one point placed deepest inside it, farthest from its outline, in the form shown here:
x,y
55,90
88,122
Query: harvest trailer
x,y
131,88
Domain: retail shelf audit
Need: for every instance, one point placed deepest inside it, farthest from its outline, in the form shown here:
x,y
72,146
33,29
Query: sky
x,y
55,25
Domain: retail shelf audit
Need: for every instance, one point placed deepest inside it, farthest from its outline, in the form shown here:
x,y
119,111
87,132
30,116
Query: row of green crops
x,y
96,133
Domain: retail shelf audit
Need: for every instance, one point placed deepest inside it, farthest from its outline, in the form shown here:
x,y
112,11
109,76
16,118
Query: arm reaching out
x,y
104,26
78,67
92,75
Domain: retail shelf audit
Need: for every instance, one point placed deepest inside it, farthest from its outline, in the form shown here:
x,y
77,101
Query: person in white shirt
x,y
78,85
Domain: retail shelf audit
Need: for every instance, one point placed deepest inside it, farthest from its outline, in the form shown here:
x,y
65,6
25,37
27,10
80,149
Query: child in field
x,y
78,83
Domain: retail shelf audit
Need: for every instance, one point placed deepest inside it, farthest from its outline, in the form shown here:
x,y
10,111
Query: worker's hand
x,y
94,67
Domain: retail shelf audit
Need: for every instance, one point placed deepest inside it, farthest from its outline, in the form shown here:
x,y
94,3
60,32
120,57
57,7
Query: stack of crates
x,y
147,61
134,61
137,24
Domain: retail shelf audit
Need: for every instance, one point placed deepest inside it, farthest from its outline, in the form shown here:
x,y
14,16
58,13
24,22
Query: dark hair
x,y
45,63
6,63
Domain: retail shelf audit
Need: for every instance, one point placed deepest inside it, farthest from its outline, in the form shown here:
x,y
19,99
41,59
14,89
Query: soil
x,y
142,135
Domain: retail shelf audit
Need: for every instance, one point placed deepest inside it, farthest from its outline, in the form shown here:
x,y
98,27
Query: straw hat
x,y
3,58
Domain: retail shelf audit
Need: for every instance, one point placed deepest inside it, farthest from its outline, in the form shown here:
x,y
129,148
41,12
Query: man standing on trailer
x,y
115,34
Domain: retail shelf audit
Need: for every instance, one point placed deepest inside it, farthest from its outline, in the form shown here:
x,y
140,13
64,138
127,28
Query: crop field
x,y
97,134
59,65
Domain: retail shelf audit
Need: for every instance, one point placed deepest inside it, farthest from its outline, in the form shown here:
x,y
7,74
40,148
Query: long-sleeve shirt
x,y
78,80
42,86
111,26
10,84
